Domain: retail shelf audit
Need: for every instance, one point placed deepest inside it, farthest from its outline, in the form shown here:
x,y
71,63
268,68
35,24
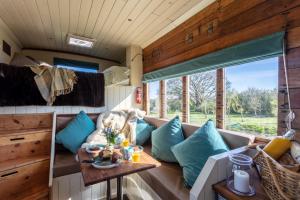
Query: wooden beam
x,y
220,99
162,97
146,105
185,99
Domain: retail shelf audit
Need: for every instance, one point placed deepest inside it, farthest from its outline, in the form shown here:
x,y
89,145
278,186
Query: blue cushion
x,y
193,153
76,132
164,137
143,131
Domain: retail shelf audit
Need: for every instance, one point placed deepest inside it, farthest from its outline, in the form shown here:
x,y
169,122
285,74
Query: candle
x,y
241,181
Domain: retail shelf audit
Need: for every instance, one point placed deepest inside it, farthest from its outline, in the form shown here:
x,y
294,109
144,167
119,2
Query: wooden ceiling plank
x,y
12,22
122,18
133,16
64,14
114,14
74,8
139,21
43,10
55,18
94,15
31,28
84,15
105,12
160,23
157,15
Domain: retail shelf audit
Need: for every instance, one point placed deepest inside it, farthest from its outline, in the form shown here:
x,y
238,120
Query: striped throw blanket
x,y
52,81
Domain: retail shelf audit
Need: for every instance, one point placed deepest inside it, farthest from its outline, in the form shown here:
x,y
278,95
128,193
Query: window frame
x,y
220,100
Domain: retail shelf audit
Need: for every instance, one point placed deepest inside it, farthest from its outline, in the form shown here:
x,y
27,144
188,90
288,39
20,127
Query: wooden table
x,y
92,175
222,190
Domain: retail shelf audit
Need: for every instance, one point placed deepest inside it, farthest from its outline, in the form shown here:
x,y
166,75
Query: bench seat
x,y
65,164
166,180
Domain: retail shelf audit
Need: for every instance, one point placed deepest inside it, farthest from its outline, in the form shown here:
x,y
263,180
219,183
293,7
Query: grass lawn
x,y
260,125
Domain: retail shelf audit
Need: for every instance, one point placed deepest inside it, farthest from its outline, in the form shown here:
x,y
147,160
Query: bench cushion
x,y
166,180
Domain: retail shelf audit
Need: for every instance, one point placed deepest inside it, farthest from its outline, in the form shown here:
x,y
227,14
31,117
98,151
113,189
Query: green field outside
x,y
259,125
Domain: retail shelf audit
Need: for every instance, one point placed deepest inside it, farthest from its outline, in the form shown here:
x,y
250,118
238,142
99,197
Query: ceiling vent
x,y
80,41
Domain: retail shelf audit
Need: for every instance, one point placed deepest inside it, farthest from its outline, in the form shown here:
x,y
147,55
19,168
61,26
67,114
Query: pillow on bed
x,y
76,132
193,153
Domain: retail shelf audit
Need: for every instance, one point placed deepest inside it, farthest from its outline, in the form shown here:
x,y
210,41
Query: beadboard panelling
x,y
116,98
138,189
71,187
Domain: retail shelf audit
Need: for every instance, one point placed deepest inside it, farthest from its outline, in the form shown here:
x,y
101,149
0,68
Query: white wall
x,y
47,56
9,37
116,98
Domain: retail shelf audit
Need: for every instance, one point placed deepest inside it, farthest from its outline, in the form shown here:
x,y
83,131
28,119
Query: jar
x,y
240,175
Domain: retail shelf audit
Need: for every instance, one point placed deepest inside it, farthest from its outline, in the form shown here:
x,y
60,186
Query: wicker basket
x,y
278,182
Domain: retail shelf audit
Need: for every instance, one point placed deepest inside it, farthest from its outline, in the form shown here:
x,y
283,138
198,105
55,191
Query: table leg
x,y
108,197
119,188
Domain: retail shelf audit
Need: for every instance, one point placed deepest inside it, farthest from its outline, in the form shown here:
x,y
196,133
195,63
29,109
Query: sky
x,y
260,74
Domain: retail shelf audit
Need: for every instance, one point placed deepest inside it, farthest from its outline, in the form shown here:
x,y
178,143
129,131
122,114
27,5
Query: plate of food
x,y
105,164
106,160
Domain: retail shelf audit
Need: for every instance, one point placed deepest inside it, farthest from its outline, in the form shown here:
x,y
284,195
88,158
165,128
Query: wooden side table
x,y
223,193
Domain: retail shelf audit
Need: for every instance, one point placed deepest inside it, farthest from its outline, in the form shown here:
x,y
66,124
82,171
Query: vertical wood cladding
x,y
293,70
146,106
162,97
220,99
185,99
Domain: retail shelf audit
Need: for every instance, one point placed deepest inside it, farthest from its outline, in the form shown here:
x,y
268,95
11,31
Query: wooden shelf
x,y
222,190
11,164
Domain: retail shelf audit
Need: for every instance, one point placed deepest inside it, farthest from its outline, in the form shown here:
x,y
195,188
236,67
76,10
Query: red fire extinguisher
x,y
138,95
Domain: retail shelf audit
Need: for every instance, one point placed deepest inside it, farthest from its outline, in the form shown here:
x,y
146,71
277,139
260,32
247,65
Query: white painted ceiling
x,y
115,24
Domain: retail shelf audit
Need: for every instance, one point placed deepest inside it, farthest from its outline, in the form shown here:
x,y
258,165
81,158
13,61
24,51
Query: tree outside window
x,y
251,97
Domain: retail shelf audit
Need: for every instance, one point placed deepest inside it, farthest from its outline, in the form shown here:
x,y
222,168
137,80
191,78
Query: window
x,y
174,97
202,97
154,98
75,65
251,97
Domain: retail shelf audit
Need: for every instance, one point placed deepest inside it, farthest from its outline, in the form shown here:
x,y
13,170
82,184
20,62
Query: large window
x,y
75,65
251,97
154,98
202,97
174,97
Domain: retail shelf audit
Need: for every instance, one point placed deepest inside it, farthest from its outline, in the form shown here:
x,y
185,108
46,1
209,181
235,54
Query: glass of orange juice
x,y
136,155
125,143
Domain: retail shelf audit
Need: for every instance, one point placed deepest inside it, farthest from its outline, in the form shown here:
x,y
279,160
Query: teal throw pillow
x,y
164,137
193,153
76,132
143,131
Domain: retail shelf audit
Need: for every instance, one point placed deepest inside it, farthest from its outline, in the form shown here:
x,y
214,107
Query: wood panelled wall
x,y
222,24
226,23
293,71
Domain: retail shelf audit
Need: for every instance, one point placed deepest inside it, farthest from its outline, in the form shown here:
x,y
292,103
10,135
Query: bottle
x,y
280,144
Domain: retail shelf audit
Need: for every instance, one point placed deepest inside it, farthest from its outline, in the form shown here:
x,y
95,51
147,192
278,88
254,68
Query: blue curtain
x,y
258,49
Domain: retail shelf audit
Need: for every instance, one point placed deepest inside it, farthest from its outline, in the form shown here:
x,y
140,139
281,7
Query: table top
x,y
92,175
222,190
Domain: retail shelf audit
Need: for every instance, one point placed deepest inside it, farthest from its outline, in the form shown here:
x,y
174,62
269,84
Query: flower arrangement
x,y
111,135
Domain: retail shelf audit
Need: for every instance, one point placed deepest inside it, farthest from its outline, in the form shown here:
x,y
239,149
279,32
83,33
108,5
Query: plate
x,y
105,164
87,149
